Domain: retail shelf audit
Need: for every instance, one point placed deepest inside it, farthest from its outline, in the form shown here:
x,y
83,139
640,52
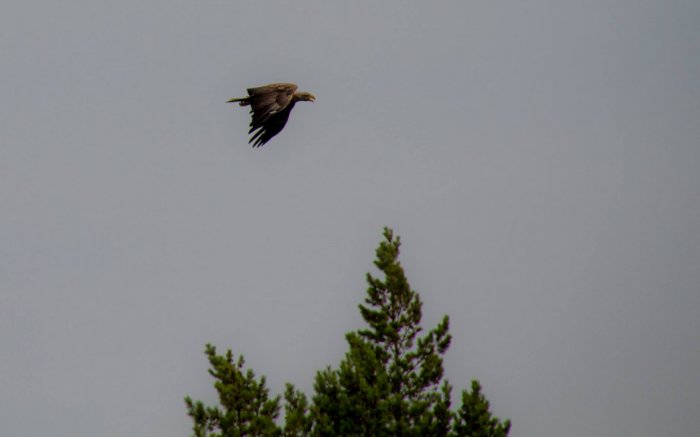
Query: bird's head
x,y
303,96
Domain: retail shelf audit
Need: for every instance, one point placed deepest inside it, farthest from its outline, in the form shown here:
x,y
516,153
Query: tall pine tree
x,y
389,382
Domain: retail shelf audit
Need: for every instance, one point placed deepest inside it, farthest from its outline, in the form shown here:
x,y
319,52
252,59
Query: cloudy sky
x,y
539,159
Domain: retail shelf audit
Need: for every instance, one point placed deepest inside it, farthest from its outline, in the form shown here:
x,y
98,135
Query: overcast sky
x,y
539,160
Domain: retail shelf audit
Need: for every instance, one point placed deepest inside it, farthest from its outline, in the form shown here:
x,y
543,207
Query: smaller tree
x,y
246,408
474,419
297,421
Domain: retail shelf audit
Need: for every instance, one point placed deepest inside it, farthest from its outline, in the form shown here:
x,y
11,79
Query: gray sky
x,y
539,159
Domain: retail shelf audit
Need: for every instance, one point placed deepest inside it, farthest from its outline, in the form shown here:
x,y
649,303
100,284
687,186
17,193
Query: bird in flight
x,y
270,106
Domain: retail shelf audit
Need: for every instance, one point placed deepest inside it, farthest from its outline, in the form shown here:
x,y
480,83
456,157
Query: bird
x,y
270,106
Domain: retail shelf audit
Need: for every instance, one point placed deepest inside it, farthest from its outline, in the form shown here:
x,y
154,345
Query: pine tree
x,y
246,408
474,418
297,422
389,382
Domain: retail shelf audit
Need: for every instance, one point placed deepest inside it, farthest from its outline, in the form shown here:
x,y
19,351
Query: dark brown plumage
x,y
270,106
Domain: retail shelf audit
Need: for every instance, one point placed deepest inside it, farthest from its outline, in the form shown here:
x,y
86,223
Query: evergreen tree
x,y
246,408
474,418
390,382
297,421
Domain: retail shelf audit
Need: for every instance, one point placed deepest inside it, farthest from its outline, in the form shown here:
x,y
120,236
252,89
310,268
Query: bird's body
x,y
270,106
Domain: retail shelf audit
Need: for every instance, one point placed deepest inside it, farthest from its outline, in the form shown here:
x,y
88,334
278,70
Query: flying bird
x,y
270,106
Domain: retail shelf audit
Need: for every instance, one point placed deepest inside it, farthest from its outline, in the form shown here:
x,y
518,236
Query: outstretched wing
x,y
265,101
270,127
270,106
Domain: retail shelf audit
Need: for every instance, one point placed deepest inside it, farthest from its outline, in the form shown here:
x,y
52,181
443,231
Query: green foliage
x,y
390,382
246,408
474,418
297,422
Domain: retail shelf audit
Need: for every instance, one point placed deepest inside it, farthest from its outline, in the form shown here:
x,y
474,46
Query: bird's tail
x,y
243,101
